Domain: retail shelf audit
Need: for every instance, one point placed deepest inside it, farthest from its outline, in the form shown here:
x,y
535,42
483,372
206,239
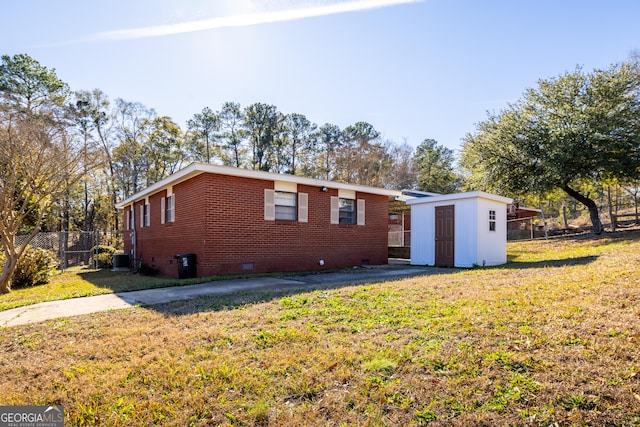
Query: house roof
x,y
460,196
417,193
411,194
523,208
196,168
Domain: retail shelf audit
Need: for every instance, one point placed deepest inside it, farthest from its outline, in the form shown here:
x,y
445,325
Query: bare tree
x,y
130,165
402,174
102,117
38,164
39,159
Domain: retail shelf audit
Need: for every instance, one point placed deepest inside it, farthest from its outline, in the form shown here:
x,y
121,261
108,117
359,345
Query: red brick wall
x,y
221,219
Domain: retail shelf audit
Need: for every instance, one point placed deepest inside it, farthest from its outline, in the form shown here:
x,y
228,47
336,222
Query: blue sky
x,y
413,69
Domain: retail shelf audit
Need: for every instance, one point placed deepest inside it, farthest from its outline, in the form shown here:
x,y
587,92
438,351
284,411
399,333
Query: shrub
x,y
105,256
147,270
34,268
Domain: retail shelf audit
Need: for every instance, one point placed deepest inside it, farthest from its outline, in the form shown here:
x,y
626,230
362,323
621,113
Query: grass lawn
x,y
83,282
552,338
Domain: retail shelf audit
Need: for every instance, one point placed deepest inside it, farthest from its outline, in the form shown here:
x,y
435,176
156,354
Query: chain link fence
x,y
399,238
76,247
525,229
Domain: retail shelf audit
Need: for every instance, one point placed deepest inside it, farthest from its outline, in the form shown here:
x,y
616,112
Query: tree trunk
x,y
589,204
10,265
236,154
11,255
610,205
12,252
544,223
635,205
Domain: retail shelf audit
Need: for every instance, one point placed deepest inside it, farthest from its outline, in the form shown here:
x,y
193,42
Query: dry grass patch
x,y
552,337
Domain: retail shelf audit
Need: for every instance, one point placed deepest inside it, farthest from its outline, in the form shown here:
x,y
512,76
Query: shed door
x,y
444,236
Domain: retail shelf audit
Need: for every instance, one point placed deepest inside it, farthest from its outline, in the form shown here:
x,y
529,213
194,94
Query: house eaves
x,y
195,169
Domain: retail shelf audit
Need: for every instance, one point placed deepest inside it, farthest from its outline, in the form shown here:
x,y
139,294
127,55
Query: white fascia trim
x,y
459,196
197,168
182,175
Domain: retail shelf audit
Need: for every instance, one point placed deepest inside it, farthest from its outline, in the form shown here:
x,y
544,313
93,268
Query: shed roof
x,y
196,168
460,196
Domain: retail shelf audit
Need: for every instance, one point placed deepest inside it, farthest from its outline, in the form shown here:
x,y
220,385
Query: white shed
x,y
460,230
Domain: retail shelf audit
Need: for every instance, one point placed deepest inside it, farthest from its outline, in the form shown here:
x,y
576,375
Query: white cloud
x,y
245,20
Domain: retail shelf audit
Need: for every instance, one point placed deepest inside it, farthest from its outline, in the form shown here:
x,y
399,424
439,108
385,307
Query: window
x,y
285,205
281,206
147,218
132,219
171,204
492,220
347,210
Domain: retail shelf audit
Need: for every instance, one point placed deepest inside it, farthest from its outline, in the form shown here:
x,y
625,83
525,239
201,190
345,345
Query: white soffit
x,y
346,194
288,187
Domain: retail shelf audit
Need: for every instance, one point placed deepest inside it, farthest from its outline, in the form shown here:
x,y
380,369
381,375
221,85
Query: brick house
x,y
238,220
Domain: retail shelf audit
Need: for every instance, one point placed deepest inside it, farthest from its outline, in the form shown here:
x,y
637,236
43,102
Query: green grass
x,y
551,338
79,282
82,282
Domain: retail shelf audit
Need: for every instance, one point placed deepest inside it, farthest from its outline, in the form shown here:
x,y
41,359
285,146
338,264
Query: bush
x,y
34,268
105,256
147,270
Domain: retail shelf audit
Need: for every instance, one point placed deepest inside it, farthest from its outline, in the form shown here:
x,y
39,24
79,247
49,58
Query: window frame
x,y
291,209
147,215
132,218
170,213
492,220
351,218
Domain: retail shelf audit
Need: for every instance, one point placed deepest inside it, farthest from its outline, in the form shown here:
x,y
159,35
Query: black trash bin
x,y
186,266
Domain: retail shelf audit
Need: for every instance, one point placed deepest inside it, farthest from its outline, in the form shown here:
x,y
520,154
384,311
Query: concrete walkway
x,y
85,305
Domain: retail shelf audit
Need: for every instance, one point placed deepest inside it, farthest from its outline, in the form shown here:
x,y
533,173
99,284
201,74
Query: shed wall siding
x,y
474,244
466,236
491,244
423,234
221,219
